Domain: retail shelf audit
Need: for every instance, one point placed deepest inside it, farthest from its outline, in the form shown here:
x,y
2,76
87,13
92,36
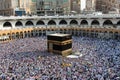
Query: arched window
x,y
107,22
51,22
118,23
74,22
62,22
18,23
95,22
40,23
29,23
7,24
84,22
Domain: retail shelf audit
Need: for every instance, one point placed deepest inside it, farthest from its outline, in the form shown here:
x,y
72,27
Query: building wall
x,y
7,7
75,5
49,7
102,27
29,6
107,6
62,6
66,6
98,5
118,6
90,6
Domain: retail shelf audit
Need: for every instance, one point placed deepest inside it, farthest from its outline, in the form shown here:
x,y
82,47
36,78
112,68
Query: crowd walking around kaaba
x,y
28,59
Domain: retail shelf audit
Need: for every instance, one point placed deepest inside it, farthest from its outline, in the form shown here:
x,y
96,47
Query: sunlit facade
x,y
90,5
8,7
75,6
105,6
49,7
105,26
28,5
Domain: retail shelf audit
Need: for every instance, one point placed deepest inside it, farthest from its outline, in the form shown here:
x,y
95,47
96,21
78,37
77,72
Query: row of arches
x,y
62,22
75,32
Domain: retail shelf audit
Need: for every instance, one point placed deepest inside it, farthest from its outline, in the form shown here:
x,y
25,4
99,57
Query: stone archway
x,y
7,24
95,23
29,23
108,24
40,22
84,23
63,22
18,24
51,22
17,35
73,22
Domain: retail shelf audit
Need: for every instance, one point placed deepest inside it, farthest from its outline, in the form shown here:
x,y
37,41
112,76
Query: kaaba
x,y
59,43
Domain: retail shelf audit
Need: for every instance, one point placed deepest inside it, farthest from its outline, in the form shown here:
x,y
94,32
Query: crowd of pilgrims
x,y
28,59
